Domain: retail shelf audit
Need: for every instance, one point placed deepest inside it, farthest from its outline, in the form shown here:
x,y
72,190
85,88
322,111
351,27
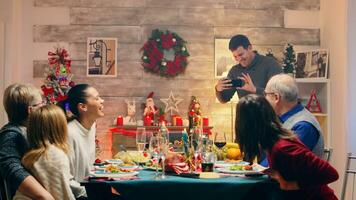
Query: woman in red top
x,y
300,173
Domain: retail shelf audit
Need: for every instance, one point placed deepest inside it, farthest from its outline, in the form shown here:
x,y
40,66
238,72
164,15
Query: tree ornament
x,y
158,49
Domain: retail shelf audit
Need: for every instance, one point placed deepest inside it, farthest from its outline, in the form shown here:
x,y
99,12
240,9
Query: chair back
x,y
5,193
350,170
327,154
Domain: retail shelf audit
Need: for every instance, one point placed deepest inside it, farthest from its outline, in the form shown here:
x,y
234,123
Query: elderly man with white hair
x,y
282,93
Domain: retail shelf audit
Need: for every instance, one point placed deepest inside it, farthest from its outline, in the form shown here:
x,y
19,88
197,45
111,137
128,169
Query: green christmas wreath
x,y
165,54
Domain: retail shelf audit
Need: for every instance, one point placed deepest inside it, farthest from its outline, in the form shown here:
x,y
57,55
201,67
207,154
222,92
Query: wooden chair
x,y
350,169
327,154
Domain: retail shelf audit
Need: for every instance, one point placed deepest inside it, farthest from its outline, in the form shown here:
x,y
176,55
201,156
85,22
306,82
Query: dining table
x,y
176,187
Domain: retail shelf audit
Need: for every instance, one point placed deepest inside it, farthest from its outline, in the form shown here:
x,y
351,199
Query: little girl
x,y
47,157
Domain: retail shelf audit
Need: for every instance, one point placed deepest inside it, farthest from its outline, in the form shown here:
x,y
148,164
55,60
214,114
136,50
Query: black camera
x,y
237,83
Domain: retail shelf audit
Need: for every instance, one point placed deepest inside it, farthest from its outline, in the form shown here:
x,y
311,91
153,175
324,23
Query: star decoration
x,y
171,103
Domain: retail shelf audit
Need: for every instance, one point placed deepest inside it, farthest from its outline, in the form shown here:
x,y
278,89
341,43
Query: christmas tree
x,y
58,76
289,61
194,113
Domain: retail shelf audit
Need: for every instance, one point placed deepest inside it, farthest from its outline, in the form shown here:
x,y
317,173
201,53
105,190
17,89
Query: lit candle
x,y
205,121
179,121
119,120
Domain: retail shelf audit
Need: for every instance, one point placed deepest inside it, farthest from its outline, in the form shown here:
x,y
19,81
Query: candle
x,y
147,121
179,121
174,120
205,121
119,120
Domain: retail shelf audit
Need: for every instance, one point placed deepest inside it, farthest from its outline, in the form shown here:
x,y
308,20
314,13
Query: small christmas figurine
x,y
150,109
130,119
289,61
313,104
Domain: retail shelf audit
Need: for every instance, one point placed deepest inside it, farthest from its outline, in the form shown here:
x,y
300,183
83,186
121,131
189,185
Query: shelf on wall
x,y
312,80
320,114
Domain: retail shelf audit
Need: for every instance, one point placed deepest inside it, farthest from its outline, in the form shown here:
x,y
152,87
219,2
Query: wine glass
x,y
141,139
157,149
220,139
196,146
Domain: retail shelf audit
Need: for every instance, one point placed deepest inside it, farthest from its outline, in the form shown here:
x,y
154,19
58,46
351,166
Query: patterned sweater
x,y
13,146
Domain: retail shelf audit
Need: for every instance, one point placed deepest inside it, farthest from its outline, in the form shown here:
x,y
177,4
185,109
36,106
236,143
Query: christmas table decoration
x,y
165,53
194,113
58,76
171,103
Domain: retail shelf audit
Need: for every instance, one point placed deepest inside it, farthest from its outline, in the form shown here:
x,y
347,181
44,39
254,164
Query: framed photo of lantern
x,y
102,57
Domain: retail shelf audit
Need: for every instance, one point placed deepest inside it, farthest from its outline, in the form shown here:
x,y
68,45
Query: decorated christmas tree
x,y
289,61
194,113
58,76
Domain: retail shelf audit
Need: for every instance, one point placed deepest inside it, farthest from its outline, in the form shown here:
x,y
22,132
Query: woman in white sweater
x,y
86,107
47,158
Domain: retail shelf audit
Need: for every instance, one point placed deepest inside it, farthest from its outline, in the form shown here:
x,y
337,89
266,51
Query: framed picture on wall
x,y
312,64
223,58
101,57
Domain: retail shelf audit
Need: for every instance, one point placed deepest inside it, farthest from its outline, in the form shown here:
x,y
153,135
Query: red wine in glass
x,y
220,140
220,144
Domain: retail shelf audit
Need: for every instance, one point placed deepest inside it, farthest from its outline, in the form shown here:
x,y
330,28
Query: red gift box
x,y
205,121
119,120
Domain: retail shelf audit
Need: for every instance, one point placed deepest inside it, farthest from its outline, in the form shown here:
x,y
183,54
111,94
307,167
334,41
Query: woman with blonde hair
x,y
47,158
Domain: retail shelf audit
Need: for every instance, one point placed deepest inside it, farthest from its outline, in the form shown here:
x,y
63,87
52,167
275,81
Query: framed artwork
x,y
101,57
223,58
312,64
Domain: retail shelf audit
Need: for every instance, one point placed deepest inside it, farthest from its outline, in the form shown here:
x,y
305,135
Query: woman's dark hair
x,y
239,40
76,95
257,126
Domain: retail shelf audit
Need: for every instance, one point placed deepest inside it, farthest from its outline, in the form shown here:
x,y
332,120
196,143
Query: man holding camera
x,y
254,71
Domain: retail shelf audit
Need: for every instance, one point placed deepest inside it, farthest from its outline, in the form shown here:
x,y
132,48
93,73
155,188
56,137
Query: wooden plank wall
x,y
197,21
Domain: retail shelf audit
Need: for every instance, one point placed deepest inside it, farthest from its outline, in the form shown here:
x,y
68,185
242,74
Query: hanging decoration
x,y
58,76
165,53
171,103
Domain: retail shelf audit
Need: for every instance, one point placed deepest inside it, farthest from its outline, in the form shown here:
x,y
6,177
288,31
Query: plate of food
x,y
113,171
114,161
224,163
113,175
241,169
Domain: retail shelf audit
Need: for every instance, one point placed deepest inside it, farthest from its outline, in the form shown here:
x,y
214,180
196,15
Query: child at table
x,y
47,157
300,173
